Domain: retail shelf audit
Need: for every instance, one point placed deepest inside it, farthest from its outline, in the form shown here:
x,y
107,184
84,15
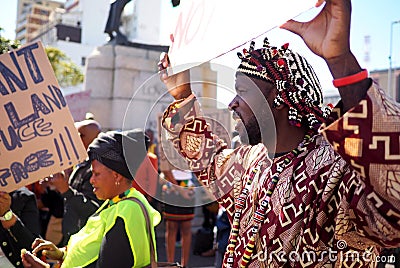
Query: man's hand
x,y
5,203
60,182
328,34
178,85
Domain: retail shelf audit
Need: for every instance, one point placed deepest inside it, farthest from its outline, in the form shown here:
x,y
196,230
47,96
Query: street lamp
x,y
390,60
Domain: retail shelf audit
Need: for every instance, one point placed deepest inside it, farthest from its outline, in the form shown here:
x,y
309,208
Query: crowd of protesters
x,y
320,183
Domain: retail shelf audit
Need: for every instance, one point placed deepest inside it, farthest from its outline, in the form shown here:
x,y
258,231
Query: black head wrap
x,y
122,152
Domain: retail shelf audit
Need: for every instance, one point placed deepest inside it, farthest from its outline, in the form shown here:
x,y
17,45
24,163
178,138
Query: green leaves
x,y
7,44
66,71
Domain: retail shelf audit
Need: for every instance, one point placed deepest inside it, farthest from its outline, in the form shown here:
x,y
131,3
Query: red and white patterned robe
x,y
336,205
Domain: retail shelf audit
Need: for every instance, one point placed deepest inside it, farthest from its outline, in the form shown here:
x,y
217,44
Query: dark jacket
x,y
25,230
79,201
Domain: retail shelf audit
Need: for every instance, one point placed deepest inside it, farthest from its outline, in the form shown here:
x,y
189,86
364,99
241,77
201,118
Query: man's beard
x,y
252,135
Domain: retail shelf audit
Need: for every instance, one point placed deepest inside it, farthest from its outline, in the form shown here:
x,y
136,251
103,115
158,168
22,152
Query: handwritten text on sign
x,y
37,133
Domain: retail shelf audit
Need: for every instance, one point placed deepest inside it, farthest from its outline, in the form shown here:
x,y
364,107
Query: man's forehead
x,y
243,80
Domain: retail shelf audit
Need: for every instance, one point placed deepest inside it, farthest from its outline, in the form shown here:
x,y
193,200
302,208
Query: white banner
x,y
207,29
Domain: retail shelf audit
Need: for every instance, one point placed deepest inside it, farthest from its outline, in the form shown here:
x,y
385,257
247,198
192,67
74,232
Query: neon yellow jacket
x,y
84,247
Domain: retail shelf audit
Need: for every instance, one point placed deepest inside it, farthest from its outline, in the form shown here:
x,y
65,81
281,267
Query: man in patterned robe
x,y
319,199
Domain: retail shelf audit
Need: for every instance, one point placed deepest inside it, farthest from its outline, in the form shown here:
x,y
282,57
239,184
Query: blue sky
x,y
370,18
7,18
374,18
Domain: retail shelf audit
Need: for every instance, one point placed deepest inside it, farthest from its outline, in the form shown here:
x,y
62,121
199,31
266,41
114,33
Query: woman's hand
x,y
178,85
48,249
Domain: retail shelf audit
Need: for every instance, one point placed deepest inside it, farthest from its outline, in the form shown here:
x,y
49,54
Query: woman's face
x,y
103,181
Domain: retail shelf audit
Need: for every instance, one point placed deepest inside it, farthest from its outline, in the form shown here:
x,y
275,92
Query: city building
x,y
113,73
331,96
31,16
381,76
76,29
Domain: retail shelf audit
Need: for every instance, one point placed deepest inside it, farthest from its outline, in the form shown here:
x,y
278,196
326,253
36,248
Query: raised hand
x,y
328,34
178,85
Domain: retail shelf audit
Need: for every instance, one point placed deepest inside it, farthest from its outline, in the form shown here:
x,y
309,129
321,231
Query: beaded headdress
x,y
297,84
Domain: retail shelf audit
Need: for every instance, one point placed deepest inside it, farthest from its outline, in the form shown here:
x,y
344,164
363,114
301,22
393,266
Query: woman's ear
x,y
116,176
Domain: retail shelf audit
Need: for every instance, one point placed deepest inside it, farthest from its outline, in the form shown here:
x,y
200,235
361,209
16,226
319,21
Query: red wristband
x,y
351,79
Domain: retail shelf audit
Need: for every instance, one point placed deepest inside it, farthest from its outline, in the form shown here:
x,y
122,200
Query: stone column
x,y
126,91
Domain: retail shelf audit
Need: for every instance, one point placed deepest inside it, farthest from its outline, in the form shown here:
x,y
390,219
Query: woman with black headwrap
x,y
114,236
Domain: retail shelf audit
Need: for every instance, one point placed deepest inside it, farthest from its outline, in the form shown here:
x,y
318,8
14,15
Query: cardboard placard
x,y
78,104
207,29
37,133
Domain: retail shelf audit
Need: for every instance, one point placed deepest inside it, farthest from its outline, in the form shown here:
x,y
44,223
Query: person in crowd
x,y
38,188
51,199
321,193
223,231
115,235
19,225
152,141
79,201
178,213
146,180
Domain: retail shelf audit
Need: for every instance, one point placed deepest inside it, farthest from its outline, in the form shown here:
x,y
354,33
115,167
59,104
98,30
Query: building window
x,y
83,61
42,12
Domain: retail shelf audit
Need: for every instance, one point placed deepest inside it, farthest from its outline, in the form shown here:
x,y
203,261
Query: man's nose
x,y
233,104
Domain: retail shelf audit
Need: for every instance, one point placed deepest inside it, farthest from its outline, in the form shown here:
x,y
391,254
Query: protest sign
x,y
78,104
37,133
206,29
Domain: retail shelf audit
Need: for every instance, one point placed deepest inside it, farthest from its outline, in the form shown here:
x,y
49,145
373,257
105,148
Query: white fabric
x,y
4,262
182,175
198,38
